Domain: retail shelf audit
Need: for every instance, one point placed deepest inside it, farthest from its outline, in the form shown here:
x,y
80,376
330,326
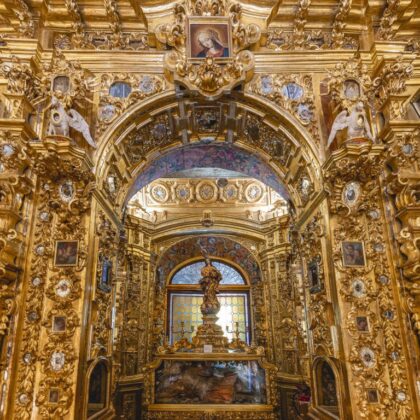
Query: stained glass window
x,y
191,274
186,308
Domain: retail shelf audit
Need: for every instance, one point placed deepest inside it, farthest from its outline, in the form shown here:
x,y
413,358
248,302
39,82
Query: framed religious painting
x,y
353,254
105,278
314,279
372,396
53,396
66,253
209,37
59,324
362,324
61,84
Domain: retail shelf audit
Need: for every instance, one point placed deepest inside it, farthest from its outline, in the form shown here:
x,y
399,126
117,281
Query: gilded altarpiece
x,y
333,273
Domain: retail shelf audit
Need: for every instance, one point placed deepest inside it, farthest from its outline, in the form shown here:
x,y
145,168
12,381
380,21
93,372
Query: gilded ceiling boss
x,y
209,209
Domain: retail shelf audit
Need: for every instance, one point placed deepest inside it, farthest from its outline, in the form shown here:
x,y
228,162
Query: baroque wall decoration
x,y
137,138
208,77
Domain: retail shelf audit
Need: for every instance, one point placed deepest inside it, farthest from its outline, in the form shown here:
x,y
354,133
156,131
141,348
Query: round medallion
x,y
378,247
230,192
401,396
388,314
395,356
384,279
107,112
407,149
374,214
57,361
27,358
44,216
66,191
292,91
8,150
160,193
206,191
23,399
351,193
33,316
304,112
182,192
146,84
46,187
36,281
63,288
368,357
253,192
358,288
266,85
159,131
40,250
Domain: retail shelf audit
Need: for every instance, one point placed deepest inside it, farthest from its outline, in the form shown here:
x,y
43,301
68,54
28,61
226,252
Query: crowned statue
x,y
209,333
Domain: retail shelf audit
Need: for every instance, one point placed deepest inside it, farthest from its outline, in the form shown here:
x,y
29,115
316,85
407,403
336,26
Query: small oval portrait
x,y
107,112
351,89
351,193
66,191
304,112
61,83
147,84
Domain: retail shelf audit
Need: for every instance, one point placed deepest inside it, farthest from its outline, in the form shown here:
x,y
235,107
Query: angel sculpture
x,y
356,123
61,121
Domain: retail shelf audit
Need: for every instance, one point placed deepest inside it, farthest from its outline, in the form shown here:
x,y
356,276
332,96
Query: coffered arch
x,y
162,123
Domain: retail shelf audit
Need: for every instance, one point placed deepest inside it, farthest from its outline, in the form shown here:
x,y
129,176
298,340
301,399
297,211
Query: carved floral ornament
x,y
223,62
111,106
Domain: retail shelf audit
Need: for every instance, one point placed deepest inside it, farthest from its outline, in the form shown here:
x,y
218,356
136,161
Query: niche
x,y
326,388
97,394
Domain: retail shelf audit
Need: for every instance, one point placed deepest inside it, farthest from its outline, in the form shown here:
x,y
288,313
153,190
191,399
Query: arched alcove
x,y
327,387
98,389
217,156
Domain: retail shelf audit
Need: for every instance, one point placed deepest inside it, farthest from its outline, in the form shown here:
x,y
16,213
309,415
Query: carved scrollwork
x,y
292,92
391,81
209,77
110,107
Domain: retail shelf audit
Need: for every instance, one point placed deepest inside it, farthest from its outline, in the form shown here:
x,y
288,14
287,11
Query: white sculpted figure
x,y
61,121
356,123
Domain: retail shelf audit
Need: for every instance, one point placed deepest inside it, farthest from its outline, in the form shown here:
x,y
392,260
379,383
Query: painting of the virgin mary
x,y
209,40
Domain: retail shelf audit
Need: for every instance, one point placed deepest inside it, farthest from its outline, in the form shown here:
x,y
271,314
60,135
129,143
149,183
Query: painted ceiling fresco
x,y
218,156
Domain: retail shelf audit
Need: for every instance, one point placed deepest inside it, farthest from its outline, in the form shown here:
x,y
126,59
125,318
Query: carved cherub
x,y
355,122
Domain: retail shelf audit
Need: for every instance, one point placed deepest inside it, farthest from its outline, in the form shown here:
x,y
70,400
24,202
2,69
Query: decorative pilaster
x,y
56,281
376,365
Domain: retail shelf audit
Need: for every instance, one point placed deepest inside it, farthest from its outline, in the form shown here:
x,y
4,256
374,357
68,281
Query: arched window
x,y
185,298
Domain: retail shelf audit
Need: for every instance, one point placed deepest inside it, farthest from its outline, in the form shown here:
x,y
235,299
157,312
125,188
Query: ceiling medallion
x,y
253,192
182,192
206,192
209,54
160,193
